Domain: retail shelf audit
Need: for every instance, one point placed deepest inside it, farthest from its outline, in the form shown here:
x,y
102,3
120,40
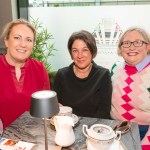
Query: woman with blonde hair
x,y
131,82
20,75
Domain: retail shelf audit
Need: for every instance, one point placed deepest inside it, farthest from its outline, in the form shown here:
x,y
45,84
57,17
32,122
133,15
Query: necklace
x,y
82,73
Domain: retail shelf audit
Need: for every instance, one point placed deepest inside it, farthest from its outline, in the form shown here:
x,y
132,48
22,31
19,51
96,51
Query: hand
x,y
60,105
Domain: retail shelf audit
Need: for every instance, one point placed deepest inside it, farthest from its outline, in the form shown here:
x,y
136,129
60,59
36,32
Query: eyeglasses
x,y
138,43
124,127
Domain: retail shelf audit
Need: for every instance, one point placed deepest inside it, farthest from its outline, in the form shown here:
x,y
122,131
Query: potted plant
x,y
43,48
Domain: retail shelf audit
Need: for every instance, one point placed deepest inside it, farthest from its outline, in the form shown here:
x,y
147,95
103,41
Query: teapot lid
x,y
101,132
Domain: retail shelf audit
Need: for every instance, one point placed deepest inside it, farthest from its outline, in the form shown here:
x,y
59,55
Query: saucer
x,y
116,145
74,117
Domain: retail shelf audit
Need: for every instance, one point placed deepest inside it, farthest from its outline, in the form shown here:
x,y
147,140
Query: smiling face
x,y
19,44
134,55
81,54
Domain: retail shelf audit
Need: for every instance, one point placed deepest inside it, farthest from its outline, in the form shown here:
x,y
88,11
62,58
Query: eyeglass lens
x,y
138,43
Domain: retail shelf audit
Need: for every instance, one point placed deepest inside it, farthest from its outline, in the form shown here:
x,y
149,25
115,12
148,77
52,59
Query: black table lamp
x,y
44,104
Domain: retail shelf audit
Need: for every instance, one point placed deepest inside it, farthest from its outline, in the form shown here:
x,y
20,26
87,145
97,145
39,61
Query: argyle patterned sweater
x,y
131,96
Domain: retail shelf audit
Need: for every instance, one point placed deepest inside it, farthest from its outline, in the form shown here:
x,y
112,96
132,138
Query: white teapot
x,y
100,137
64,131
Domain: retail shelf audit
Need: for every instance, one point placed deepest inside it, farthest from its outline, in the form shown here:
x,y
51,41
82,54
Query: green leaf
x,y
43,49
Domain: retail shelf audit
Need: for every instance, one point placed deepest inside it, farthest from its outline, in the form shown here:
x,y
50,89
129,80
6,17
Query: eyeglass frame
x,y
142,42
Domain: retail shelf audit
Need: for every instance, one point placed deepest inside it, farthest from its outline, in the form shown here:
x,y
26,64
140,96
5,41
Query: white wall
x,y
14,9
62,21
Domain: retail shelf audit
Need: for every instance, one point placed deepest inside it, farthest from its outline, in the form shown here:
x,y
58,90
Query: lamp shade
x,y
44,104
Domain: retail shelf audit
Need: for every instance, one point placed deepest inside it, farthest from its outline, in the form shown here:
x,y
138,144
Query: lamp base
x,y
45,130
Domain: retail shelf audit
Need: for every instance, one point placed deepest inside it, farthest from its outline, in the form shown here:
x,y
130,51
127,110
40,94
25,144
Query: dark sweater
x,y
89,97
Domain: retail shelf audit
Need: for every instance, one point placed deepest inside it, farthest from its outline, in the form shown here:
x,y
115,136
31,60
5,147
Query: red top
x,y
15,95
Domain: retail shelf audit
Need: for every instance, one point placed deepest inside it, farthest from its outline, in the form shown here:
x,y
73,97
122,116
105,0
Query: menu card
x,y
9,144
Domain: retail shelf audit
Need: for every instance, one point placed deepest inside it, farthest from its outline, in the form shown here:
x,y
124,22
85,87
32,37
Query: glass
x,y
138,43
1,128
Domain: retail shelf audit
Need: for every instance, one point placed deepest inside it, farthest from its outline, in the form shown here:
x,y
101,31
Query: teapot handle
x,y
118,135
83,129
55,122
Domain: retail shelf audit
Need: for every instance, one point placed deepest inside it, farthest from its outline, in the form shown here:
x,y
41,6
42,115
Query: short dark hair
x,y
85,36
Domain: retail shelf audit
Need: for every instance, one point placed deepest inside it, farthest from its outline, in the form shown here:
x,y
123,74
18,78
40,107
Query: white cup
x,y
65,111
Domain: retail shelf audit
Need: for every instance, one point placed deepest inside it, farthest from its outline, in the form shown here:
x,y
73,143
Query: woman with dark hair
x,y
84,86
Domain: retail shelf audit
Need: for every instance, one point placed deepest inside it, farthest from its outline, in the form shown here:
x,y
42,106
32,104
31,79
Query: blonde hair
x,y
8,28
144,34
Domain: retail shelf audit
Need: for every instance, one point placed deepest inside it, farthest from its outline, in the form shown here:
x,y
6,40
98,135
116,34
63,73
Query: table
x,y
30,129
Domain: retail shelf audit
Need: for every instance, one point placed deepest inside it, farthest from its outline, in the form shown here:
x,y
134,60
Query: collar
x,y
10,66
142,64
